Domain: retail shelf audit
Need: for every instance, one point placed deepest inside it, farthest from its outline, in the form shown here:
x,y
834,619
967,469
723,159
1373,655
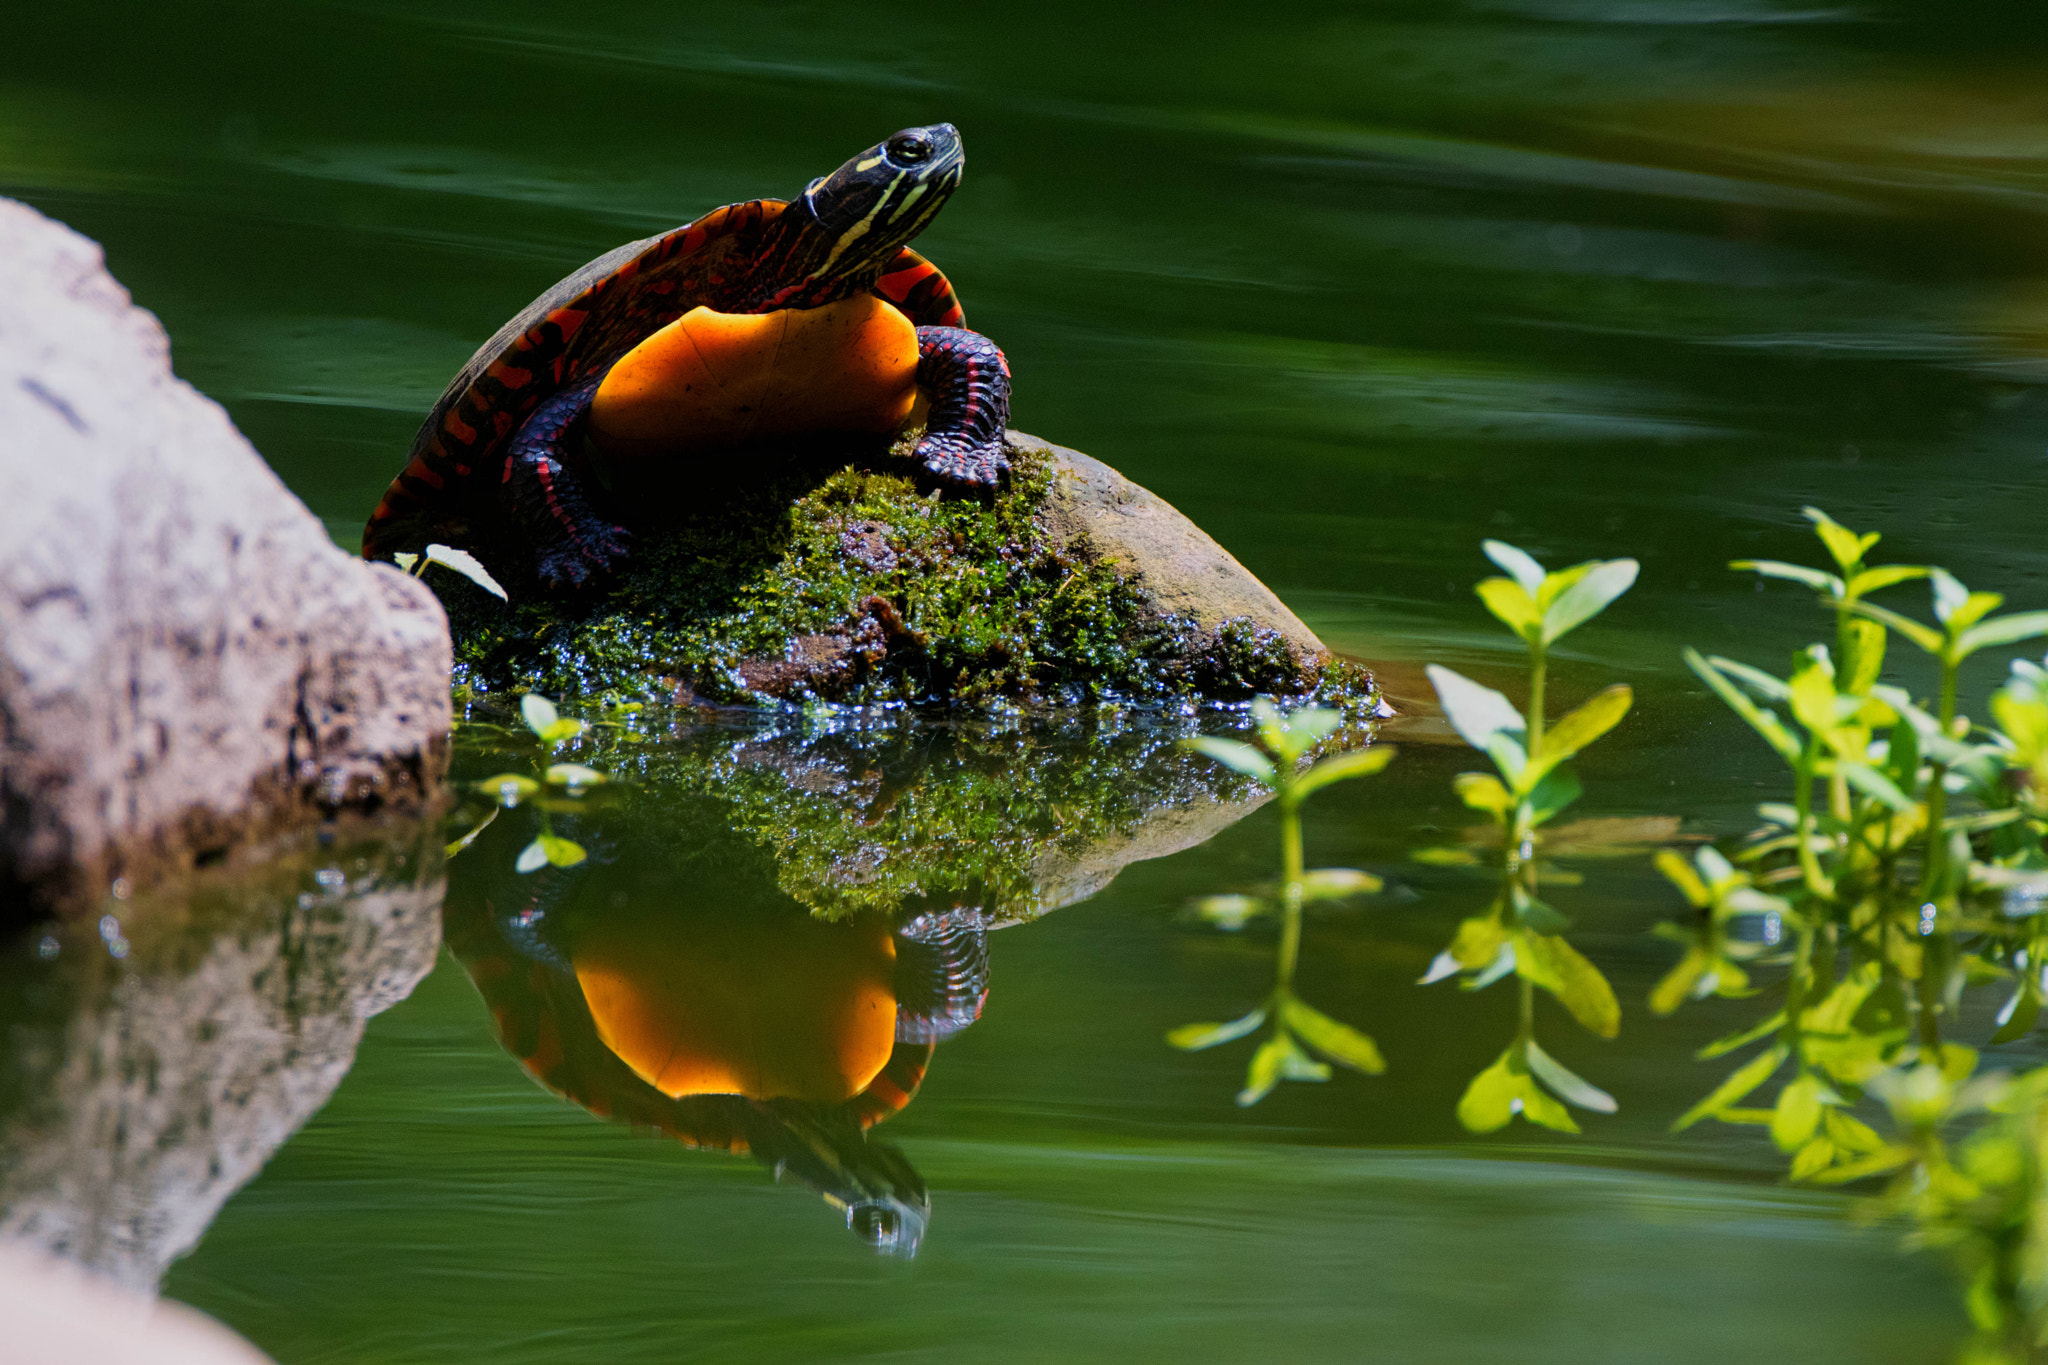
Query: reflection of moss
x,y
887,813
823,582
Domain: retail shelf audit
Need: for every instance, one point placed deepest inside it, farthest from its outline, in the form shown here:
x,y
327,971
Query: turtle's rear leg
x,y
968,381
572,542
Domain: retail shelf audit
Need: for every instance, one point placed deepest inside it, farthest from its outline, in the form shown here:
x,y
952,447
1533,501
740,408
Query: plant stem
x,y
1290,883
1538,666
1934,867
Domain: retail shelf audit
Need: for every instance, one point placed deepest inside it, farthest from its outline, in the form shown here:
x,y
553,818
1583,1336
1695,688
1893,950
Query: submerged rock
x,y
186,659
824,573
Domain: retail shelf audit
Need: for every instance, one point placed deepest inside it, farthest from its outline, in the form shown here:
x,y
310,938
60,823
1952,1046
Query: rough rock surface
x,y
163,1054
185,657
1186,572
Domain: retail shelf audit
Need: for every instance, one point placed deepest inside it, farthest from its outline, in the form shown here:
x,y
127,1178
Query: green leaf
x,y
1231,754
573,775
1444,855
1484,792
1264,1072
1488,1101
1195,1037
466,564
561,852
1584,725
1926,637
1517,564
1678,984
539,713
1335,883
1562,970
1764,722
1797,1113
1884,576
1812,1159
1873,783
1476,712
1342,767
1230,913
1681,875
1296,1065
1477,942
1338,1041
1549,798
509,788
1512,606
532,858
466,840
2021,1012
1796,573
1844,546
1564,1084
1889,1158
1743,1038
1859,672
561,731
1740,1082
2004,630
1588,597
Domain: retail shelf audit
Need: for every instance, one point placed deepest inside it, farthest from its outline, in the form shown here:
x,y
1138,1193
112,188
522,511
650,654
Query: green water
x,y
1353,286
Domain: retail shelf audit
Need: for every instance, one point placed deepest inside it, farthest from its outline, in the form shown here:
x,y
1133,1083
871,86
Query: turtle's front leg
x,y
968,381
572,542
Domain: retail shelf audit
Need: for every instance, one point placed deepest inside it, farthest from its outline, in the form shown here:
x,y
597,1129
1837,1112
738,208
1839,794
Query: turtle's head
x,y
856,219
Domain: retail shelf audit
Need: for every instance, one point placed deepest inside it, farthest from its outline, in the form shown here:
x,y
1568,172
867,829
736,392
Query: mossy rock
x,y
825,574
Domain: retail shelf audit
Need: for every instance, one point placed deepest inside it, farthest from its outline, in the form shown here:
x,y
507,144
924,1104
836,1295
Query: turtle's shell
x,y
575,329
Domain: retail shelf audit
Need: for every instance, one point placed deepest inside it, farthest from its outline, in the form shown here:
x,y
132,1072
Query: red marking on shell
x,y
510,375
568,320
456,427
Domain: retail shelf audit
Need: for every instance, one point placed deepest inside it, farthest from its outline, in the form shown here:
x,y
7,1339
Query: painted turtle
x,y
760,319
760,1031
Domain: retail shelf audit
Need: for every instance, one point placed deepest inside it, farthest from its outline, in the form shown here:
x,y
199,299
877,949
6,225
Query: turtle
x,y
755,1030
681,345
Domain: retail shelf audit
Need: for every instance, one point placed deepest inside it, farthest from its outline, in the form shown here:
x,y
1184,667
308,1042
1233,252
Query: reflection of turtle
x,y
757,320
768,1032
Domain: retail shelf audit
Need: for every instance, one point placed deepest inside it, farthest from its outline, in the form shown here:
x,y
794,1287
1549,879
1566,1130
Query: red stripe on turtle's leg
x,y
572,541
968,381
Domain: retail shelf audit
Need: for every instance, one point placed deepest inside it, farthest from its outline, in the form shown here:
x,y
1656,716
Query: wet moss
x,y
824,579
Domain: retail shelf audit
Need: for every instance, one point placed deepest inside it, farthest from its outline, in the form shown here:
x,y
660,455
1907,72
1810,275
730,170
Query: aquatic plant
x,y
1520,934
1302,1037
559,786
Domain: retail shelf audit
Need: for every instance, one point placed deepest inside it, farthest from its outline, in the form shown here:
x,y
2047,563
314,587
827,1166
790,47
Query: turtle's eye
x,y
908,149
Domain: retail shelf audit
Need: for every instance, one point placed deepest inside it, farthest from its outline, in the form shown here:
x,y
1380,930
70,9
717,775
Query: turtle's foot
x,y
968,381
595,554
963,466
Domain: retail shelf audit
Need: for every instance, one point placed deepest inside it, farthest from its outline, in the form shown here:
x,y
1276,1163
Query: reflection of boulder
x,y
186,658
155,1063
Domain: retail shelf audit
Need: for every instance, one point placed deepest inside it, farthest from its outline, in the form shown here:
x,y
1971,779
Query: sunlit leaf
x,y
573,775
1296,1065
1813,1158
1565,1084
1264,1072
1442,856
1503,963
1476,712
1588,597
1195,1037
1743,1038
1342,767
1231,754
1338,1041
1850,1133
1740,1082
2021,1013
1884,576
539,713
1677,985
2004,630
1512,606
1558,789
559,851
1516,563
532,858
1865,662
1797,1113
509,788
1680,874
466,840
1926,637
466,564
1484,792
1844,546
1888,1158
1230,913
1478,941
1875,784
1581,727
1335,883
1562,970
1489,1100
1796,573
1763,722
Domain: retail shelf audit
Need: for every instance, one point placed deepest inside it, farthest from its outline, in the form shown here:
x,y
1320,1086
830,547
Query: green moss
x,y
827,581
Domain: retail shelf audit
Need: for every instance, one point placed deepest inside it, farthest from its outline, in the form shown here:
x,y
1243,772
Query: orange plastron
x,y
770,1010
714,379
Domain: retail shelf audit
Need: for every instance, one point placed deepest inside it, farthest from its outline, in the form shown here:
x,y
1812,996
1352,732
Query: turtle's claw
x,y
961,467
593,556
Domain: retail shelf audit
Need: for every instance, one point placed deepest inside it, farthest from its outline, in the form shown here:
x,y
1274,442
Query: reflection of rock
x,y
185,656
155,1064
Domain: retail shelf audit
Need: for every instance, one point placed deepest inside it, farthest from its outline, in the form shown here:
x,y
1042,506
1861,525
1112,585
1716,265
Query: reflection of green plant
x,y
1520,934
1884,905
1275,759
559,786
